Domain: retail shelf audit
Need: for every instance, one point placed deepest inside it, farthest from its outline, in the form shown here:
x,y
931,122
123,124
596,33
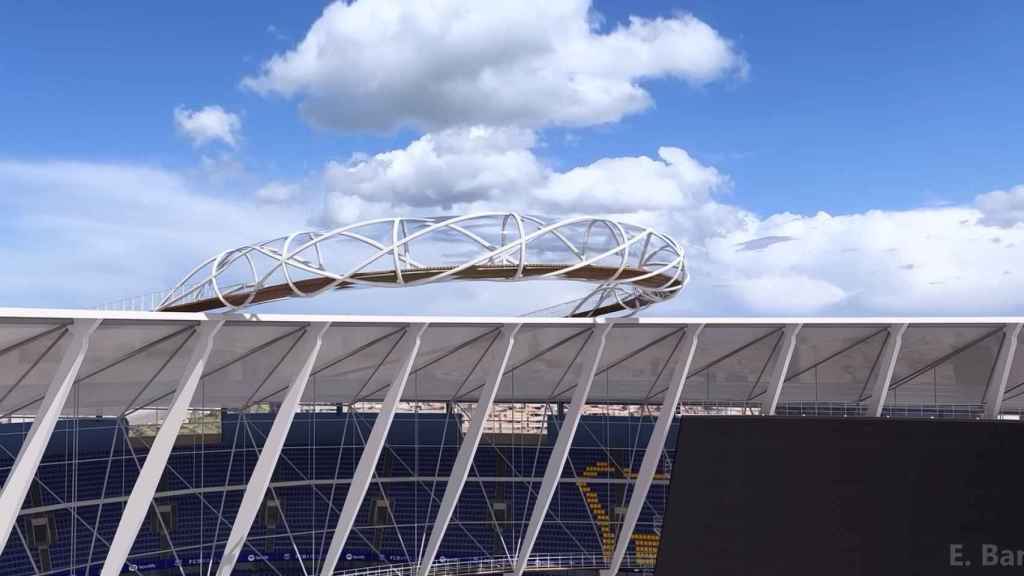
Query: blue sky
x,y
827,106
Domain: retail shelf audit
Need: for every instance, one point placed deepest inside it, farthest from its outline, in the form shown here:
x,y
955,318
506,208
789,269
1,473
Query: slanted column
x,y
306,349
410,346
589,359
31,453
884,369
655,445
780,367
141,497
1001,372
464,459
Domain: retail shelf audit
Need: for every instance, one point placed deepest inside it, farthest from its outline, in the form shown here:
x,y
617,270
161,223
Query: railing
x,y
492,565
143,303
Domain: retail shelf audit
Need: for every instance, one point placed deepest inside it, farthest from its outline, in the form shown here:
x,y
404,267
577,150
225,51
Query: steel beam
x,y
19,480
464,459
884,368
307,349
780,366
363,474
141,497
652,455
590,358
1001,372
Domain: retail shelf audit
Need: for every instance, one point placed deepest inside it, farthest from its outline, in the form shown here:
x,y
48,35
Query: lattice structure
x,y
632,266
155,444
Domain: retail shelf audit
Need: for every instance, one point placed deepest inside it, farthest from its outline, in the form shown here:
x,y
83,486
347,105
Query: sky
x,y
818,158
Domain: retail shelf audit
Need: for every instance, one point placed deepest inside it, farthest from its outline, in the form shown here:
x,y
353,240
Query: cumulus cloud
x,y
1003,208
941,261
454,167
954,259
488,168
924,261
672,180
208,124
376,65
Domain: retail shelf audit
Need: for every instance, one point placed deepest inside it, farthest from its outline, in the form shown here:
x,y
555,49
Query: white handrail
x,y
493,565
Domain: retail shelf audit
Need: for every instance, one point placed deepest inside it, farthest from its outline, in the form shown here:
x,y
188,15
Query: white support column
x,y
884,369
780,367
363,474
141,498
652,455
31,453
1001,372
464,459
560,452
307,349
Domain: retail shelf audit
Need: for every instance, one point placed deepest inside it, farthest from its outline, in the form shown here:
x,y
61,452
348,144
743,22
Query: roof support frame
x,y
1001,371
560,451
652,455
307,349
884,368
31,453
780,366
141,497
470,442
159,517
363,474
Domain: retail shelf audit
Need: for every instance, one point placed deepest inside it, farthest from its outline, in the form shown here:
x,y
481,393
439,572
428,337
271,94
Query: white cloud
x,y
1003,208
277,192
381,64
454,167
673,180
208,124
81,234
487,168
112,230
924,261
787,294
929,261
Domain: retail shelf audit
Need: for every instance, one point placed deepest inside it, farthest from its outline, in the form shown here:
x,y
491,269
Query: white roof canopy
x,y
135,359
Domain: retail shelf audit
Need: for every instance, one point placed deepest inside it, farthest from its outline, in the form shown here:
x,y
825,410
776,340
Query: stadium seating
x,y
89,468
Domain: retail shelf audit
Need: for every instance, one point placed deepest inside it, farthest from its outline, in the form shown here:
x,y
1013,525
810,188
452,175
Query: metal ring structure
x,y
632,266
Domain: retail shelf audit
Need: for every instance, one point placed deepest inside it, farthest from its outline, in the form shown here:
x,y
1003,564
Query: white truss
x,y
632,266
80,364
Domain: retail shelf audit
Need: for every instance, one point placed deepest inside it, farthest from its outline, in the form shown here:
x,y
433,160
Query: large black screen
x,y
844,496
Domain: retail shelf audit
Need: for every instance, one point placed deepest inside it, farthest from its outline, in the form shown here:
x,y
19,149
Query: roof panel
x,y
250,360
349,355
639,365
25,371
538,364
944,364
730,363
832,363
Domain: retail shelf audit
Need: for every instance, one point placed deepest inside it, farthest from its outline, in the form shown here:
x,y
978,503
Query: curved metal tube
x,y
506,247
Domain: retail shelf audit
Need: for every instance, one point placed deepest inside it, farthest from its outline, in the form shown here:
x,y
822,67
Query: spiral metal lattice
x,y
631,266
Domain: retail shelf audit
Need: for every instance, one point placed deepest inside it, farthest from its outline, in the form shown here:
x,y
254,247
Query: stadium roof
x,y
136,359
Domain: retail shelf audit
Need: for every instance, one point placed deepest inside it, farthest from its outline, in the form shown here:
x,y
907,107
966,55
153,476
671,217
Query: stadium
x,y
201,435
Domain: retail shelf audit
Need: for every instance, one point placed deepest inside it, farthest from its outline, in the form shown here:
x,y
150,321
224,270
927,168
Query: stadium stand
x,y
91,464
